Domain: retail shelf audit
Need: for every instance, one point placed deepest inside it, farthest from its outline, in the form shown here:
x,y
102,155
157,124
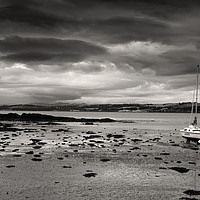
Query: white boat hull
x,y
191,133
191,136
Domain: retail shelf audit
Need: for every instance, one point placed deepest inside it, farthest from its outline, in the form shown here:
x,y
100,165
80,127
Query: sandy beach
x,y
73,160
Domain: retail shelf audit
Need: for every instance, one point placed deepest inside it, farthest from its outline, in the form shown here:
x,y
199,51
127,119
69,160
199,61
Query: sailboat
x,y
192,133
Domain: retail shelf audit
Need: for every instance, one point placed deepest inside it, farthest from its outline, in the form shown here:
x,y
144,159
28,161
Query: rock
x,y
192,163
187,198
17,155
29,152
67,167
37,155
192,192
162,168
118,136
90,132
104,159
180,169
158,158
37,147
165,154
10,166
136,140
88,123
91,174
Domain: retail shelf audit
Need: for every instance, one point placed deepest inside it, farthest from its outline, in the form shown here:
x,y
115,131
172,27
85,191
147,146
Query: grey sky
x,y
98,51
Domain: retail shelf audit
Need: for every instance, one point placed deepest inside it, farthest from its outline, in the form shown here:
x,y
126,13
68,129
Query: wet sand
x,y
74,160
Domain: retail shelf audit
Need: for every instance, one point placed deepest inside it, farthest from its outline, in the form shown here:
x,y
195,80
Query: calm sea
x,y
165,121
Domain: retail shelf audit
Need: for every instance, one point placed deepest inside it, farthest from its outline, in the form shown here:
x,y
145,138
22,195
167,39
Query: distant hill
x,y
183,107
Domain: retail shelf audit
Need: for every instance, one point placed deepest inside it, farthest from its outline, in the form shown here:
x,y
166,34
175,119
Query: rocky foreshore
x,y
40,117
46,157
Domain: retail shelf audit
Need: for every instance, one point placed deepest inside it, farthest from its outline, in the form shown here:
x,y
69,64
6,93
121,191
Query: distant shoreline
x,y
184,107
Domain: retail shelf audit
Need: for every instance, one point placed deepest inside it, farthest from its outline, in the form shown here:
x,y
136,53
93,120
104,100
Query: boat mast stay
x,y
197,93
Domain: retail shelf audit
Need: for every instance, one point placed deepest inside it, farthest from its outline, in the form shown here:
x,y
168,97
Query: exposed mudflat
x,y
93,160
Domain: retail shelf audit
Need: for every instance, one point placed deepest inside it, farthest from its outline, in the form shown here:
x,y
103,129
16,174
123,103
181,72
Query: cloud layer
x,y
98,51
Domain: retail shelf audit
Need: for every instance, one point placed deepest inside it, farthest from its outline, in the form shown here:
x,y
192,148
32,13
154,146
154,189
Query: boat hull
x,y
191,136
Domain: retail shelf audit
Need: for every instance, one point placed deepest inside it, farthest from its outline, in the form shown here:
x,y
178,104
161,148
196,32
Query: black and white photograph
x,y
99,99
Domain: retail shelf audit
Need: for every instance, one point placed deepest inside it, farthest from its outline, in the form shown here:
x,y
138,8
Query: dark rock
x,y
10,166
180,169
192,163
17,155
91,174
2,149
37,147
37,155
136,140
187,198
29,152
192,192
110,135
88,123
60,158
118,136
162,168
15,150
104,159
165,154
158,158
67,167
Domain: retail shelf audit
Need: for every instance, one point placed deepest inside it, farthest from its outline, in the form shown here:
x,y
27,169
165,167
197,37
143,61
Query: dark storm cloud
x,y
47,49
24,12
102,21
122,47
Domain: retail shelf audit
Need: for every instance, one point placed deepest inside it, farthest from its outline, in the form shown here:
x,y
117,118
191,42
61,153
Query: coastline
x,y
114,160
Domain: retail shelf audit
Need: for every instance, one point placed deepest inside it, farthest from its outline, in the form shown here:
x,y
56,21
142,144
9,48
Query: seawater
x,y
162,121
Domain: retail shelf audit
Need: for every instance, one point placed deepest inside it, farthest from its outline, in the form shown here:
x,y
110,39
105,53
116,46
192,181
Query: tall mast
x,y
197,91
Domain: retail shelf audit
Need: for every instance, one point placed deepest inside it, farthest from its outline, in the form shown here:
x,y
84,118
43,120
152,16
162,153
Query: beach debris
x,y
180,169
91,174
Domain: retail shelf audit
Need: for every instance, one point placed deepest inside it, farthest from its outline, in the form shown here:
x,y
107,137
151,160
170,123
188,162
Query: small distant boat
x,y
192,133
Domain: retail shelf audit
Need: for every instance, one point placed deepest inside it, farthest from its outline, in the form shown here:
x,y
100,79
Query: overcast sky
x,y
98,51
